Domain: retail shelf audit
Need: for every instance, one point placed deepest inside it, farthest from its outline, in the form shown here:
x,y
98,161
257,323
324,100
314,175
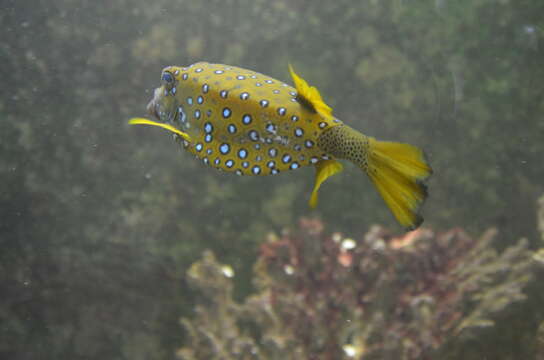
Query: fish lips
x,y
162,107
152,109
153,105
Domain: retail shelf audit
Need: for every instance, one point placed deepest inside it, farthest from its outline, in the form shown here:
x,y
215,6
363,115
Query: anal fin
x,y
324,170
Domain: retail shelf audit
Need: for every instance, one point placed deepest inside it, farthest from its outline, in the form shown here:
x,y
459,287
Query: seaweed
x,y
421,295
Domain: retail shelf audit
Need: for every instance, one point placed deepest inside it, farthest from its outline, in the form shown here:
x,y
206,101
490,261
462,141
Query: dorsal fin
x,y
310,95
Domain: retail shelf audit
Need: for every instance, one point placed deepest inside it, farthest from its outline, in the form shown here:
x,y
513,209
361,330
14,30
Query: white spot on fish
x,y
242,153
224,148
253,135
246,119
226,112
286,158
271,128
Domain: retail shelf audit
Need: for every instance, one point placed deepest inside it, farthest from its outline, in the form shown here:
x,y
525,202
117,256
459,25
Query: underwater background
x,y
116,244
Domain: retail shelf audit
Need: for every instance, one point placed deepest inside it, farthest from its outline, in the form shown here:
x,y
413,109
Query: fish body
x,y
241,121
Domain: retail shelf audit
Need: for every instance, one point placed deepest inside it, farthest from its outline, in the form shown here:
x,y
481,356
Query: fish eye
x,y
167,77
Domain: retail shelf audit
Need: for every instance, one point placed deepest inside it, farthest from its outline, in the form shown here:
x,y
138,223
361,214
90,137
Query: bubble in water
x,y
350,350
289,270
336,237
348,244
530,36
227,271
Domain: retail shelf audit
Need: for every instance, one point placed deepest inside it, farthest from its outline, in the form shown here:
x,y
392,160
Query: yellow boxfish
x,y
241,121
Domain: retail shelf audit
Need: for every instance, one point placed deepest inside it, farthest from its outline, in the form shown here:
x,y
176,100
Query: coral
x,y
540,342
423,295
539,257
540,218
215,335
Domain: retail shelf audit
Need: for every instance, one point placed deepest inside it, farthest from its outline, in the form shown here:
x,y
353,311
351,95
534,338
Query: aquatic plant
x,y
422,295
216,334
98,224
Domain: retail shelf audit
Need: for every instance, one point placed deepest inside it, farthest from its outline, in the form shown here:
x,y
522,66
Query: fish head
x,y
164,105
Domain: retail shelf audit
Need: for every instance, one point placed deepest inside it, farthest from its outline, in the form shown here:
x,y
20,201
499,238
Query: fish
x,y
242,121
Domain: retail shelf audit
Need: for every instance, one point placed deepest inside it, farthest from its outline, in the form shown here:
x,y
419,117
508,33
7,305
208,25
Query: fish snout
x,y
162,107
152,109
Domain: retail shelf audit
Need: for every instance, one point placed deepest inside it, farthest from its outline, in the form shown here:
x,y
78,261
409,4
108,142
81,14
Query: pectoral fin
x,y
324,170
142,121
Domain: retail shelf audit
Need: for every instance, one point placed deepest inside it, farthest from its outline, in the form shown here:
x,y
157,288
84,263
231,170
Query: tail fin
x,y
398,171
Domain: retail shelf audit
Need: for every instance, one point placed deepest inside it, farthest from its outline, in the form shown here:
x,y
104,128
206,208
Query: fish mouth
x,y
152,109
162,109
167,112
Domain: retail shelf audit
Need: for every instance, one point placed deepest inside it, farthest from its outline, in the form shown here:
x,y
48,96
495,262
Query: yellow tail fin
x,y
398,171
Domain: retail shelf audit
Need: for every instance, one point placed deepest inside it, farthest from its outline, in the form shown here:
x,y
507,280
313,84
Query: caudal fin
x,y
398,172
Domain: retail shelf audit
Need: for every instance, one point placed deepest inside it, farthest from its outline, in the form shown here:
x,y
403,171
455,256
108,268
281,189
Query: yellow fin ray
x,y
324,170
142,121
397,170
408,159
310,94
